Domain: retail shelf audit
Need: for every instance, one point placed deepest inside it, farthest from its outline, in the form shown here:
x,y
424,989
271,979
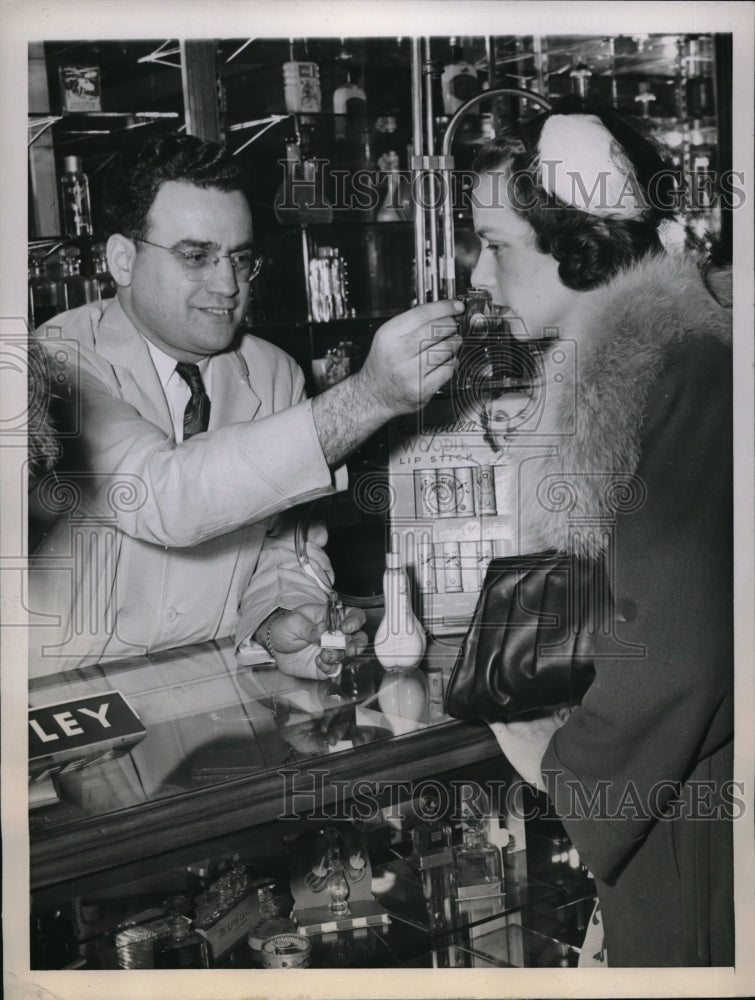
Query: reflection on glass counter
x,y
209,719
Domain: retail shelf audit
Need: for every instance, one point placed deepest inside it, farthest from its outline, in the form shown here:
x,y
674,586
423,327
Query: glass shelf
x,y
519,931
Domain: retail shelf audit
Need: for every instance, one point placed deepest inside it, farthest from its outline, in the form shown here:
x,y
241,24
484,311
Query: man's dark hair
x,y
134,186
590,249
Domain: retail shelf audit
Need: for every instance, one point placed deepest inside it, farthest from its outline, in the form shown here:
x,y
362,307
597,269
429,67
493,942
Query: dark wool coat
x,y
641,771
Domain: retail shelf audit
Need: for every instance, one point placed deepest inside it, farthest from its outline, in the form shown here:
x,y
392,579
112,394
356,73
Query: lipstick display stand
x,y
453,510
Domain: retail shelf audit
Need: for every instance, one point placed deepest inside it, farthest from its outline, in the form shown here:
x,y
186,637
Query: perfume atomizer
x,y
478,307
483,330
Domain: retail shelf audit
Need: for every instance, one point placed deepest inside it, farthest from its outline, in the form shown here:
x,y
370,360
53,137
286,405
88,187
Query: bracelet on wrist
x,y
266,638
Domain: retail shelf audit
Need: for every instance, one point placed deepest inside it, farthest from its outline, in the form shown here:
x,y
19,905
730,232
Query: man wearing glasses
x,y
188,444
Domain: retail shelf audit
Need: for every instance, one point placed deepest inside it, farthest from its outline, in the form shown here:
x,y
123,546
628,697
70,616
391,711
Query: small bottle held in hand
x,y
333,637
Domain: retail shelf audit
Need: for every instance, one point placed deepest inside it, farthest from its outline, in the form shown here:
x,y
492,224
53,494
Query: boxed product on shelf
x,y
452,510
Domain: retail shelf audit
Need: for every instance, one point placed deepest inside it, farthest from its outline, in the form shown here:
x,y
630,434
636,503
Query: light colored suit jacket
x,y
153,544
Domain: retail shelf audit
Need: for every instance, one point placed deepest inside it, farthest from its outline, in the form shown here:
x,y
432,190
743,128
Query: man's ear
x,y
121,252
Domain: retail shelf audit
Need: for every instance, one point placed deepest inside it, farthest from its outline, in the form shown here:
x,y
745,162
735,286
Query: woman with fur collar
x,y
625,452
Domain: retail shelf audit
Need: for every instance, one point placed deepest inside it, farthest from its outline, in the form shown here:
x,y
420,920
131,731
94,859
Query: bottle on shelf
x,y
79,289
400,639
269,922
645,99
480,894
479,867
459,80
301,198
433,854
76,206
580,77
366,158
386,138
301,84
183,949
105,281
349,98
699,81
47,296
396,202
349,102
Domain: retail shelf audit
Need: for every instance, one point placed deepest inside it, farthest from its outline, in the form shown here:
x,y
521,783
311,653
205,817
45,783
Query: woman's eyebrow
x,y
486,232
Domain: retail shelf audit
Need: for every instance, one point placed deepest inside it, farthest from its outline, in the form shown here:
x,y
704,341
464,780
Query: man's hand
x,y
295,641
315,734
411,357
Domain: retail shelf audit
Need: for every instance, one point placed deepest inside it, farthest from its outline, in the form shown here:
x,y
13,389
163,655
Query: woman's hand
x,y
295,641
524,743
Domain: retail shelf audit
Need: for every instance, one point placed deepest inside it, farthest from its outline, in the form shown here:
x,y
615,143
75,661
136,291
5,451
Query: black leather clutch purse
x,y
529,645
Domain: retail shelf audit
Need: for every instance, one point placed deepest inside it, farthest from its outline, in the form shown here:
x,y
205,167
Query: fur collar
x,y
577,455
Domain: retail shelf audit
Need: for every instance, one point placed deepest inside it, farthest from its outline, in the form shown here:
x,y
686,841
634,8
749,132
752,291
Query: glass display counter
x,y
219,735
237,769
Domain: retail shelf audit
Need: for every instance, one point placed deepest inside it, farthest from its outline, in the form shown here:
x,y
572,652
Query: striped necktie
x,y
197,412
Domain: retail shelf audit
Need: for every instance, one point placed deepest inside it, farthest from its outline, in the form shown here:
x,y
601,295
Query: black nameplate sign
x,y
82,731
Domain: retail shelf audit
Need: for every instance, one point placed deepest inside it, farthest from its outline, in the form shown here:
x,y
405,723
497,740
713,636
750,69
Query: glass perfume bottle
x,y
105,281
349,98
479,882
301,197
270,920
337,883
433,855
269,923
479,867
47,295
79,288
74,187
459,80
699,84
396,203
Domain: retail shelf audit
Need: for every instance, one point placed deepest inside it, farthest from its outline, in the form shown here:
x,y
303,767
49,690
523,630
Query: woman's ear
x,y
121,253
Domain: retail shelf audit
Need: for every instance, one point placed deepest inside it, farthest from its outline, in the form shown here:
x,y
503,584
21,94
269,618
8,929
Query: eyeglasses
x,y
198,264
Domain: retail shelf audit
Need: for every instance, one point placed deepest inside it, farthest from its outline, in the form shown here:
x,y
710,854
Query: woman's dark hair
x,y
133,187
589,248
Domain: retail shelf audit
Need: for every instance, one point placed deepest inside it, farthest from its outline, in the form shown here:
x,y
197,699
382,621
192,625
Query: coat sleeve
x,y
279,580
208,486
662,696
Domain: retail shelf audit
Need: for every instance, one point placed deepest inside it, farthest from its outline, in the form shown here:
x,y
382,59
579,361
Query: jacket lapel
x,y
120,343
233,399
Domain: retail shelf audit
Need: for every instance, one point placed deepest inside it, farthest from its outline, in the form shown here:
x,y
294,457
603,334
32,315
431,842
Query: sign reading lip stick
x,y
71,734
